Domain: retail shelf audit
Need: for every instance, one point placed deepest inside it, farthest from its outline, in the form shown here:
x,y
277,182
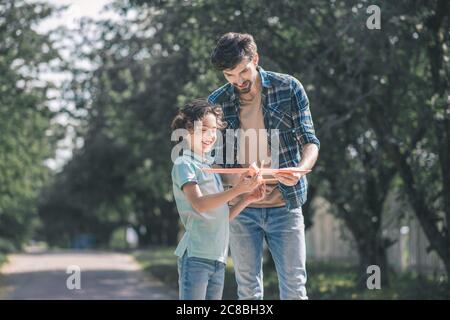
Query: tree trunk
x,y
372,251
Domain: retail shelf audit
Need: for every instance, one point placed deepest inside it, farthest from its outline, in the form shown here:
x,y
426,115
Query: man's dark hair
x,y
231,49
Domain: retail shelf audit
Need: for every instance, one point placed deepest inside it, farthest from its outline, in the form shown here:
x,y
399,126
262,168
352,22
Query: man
x,y
255,99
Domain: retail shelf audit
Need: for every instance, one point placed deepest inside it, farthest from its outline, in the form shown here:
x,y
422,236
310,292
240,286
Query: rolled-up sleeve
x,y
302,115
183,173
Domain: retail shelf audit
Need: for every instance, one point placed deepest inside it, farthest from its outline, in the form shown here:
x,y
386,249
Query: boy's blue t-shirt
x,y
207,233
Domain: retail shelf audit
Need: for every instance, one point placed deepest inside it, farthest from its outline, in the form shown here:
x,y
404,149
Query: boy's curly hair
x,y
195,111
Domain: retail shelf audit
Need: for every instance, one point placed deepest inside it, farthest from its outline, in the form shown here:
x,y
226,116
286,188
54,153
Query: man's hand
x,y
309,158
289,179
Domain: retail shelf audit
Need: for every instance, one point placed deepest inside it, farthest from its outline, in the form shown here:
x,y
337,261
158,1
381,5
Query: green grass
x,y
325,280
3,260
339,281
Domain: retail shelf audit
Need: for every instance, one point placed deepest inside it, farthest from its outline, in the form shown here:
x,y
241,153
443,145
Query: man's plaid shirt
x,y
286,108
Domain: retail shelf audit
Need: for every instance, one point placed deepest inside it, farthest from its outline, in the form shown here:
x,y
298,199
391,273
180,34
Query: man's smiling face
x,y
244,75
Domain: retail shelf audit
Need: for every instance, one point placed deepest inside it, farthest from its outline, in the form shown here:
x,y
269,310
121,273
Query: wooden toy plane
x,y
254,167
264,171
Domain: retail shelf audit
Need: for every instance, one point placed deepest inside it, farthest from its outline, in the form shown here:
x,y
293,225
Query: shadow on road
x,y
102,276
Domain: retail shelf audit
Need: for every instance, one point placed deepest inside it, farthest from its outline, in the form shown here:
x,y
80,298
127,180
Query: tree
x,y
416,136
24,119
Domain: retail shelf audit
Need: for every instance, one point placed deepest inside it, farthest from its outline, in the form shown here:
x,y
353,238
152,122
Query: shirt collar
x,y
206,159
264,77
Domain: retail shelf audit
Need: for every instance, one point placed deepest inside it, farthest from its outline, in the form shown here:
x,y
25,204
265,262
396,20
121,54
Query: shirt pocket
x,y
282,117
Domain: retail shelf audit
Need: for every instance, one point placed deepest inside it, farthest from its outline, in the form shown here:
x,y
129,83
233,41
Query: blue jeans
x,y
200,279
284,232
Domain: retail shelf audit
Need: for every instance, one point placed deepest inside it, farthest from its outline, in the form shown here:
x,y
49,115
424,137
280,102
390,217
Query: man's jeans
x,y
284,232
200,279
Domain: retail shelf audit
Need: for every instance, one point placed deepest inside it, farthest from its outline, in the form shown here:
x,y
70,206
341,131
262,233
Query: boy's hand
x,y
256,195
249,181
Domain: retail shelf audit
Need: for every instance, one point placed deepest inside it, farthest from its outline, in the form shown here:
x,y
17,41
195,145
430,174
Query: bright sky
x,y
77,9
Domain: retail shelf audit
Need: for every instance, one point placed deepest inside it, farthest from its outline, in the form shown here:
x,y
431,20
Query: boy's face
x,y
205,134
244,75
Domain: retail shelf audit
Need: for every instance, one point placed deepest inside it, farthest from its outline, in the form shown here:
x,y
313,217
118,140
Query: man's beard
x,y
247,89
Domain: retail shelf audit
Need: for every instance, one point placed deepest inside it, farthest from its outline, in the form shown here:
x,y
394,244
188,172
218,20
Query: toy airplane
x,y
254,167
264,171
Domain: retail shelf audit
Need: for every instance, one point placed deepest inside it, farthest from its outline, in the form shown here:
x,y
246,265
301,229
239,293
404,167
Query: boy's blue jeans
x,y
200,279
284,232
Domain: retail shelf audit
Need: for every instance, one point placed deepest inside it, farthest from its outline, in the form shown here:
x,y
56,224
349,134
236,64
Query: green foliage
x,y
24,119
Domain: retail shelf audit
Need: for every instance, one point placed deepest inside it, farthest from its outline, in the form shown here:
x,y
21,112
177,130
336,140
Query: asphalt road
x,y
102,275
